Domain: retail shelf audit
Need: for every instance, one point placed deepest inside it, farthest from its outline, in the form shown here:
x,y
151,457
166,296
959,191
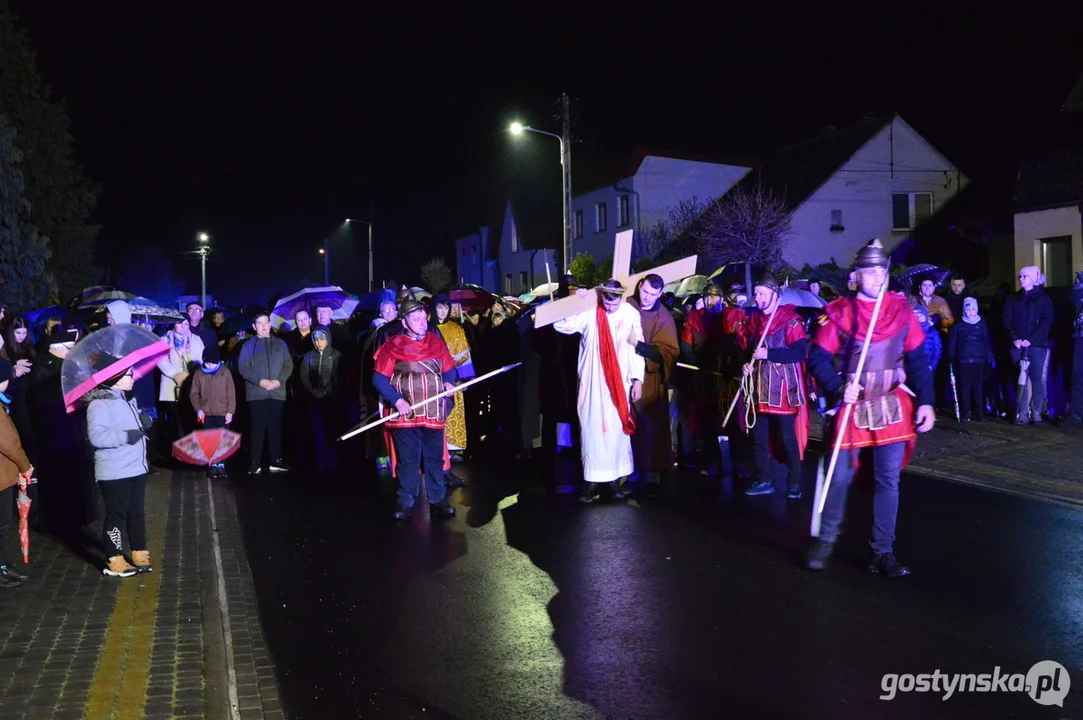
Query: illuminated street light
x,y
203,250
517,128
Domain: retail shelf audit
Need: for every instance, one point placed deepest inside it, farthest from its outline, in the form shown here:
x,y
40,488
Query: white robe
x,y
607,450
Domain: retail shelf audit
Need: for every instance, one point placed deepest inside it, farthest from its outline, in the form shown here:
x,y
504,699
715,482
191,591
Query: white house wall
x,y
471,255
1032,227
896,160
515,263
659,184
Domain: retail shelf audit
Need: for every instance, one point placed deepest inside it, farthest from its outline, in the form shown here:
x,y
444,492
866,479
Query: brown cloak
x,y
652,447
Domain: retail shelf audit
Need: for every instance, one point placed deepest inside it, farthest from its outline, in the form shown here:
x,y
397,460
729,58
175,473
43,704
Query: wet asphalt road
x,y
530,605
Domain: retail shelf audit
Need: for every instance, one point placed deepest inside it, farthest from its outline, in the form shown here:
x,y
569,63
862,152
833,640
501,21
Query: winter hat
x,y
103,360
212,355
970,303
319,332
6,370
922,313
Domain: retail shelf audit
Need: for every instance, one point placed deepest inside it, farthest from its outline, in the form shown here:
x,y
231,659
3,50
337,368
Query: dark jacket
x,y
1029,316
265,359
969,343
320,373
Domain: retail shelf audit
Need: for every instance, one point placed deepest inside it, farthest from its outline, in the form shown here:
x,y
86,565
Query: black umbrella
x,y
925,271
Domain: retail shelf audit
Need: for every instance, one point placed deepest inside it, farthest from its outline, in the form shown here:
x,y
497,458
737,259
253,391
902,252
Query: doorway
x,y
1057,261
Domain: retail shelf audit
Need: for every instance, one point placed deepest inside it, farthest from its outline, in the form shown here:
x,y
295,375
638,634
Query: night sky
x,y
267,130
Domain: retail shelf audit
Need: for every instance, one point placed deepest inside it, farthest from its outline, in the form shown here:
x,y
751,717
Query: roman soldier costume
x,y
881,428
780,397
415,368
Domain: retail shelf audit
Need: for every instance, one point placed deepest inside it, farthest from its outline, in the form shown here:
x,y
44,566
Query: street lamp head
x,y
203,237
321,251
517,128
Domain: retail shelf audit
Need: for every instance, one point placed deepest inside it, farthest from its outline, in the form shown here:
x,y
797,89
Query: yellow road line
x,y
120,680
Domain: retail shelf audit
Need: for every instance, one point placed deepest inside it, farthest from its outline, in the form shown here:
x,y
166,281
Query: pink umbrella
x,y
106,353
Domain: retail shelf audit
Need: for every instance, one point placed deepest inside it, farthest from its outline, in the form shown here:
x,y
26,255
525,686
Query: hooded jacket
x,y
109,417
320,368
265,359
121,312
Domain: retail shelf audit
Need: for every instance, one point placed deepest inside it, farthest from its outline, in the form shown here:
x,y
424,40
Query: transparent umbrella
x,y
106,353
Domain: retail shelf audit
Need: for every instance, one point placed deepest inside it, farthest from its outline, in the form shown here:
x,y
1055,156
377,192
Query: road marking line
x,y
223,609
120,678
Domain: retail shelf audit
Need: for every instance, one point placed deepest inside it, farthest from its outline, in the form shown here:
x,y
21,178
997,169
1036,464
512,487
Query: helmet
x,y
872,255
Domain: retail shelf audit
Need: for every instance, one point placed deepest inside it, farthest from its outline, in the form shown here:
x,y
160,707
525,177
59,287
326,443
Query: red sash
x,y
611,368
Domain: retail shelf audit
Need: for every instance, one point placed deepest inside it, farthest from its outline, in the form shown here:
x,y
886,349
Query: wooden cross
x,y
549,313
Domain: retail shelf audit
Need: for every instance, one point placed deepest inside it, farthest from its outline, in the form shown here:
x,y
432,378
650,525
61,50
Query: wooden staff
x,y
549,281
458,388
848,408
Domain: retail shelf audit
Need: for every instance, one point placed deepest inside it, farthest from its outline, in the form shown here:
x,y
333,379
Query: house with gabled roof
x,y
650,183
876,179
509,256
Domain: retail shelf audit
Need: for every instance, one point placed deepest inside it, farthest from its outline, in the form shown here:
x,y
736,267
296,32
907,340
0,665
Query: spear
x,y
847,408
458,388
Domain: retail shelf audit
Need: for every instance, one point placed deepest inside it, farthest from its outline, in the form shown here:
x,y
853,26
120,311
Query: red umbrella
x,y
473,298
207,447
23,503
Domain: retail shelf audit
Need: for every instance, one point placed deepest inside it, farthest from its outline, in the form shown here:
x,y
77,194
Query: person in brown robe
x,y
652,447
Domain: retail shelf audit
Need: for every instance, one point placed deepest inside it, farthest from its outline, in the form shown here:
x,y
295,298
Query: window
x,y
600,218
908,210
836,221
507,284
514,239
577,224
622,210
522,283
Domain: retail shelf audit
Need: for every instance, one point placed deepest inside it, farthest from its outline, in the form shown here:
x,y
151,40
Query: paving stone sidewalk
x,y
1034,461
168,644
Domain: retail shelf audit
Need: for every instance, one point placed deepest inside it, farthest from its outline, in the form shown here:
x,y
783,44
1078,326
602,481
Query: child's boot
x,y
119,567
141,560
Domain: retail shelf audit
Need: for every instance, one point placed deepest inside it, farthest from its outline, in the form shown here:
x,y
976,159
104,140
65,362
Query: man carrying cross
x,y
610,380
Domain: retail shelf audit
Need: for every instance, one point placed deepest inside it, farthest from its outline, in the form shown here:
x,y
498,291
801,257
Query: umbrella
x,y
925,271
690,286
23,504
106,353
472,297
544,289
207,447
142,308
38,317
371,301
104,298
87,293
342,303
801,298
530,297
421,293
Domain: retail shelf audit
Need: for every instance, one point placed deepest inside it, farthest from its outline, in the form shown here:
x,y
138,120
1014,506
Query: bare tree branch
x,y
744,225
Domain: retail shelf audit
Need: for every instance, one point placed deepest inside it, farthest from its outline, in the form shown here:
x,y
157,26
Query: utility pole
x,y
372,207
203,251
326,252
566,165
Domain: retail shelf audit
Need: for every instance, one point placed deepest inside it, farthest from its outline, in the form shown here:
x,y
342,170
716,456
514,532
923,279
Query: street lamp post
x,y
366,222
326,263
566,175
203,250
